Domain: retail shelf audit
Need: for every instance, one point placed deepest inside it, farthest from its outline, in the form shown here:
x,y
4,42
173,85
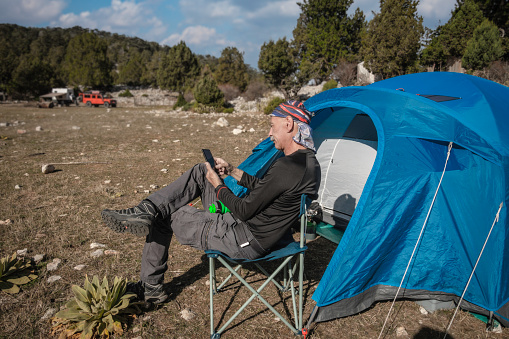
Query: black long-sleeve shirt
x,y
273,204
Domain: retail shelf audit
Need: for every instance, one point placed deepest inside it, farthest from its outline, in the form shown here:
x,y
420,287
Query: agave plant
x,y
15,272
96,310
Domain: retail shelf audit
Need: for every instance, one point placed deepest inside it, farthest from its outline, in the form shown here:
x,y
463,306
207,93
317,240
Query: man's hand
x,y
222,167
212,176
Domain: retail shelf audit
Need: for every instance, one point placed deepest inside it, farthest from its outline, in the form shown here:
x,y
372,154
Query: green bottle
x,y
218,207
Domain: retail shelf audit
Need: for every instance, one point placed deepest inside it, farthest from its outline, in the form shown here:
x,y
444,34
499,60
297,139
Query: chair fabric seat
x,y
288,250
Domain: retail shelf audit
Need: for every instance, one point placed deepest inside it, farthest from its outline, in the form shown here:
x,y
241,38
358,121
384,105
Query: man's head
x,y
290,127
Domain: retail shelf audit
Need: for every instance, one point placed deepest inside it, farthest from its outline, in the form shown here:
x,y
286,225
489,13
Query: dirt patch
x,y
121,155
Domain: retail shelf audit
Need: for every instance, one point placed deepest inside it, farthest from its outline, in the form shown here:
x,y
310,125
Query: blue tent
x,y
432,182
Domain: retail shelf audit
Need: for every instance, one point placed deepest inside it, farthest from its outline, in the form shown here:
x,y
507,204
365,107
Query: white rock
x,y
38,258
107,181
22,253
17,187
146,191
6,222
38,128
79,267
240,127
176,140
97,245
52,266
187,314
401,332
251,130
54,278
155,140
49,313
497,329
154,187
423,310
222,122
97,253
48,169
128,125
76,128
111,252
236,131
165,170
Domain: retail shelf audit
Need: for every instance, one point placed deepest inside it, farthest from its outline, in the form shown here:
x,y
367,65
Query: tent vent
x,y
438,98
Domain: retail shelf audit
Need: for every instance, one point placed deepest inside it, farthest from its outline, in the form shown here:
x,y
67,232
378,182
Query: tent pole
x,y
497,216
312,316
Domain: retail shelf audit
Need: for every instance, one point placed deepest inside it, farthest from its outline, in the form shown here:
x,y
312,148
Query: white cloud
x,y
30,12
285,8
125,17
197,36
434,11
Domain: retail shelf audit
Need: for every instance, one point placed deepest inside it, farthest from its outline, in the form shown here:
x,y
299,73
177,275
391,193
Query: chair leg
x,y
301,276
227,278
212,277
292,288
256,293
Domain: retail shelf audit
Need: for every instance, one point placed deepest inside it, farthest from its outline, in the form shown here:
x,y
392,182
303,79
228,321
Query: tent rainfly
x,y
417,167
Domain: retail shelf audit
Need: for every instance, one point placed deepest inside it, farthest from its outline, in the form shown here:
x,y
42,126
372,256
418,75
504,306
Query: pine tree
x,y
131,73
32,76
206,92
326,34
178,69
277,64
392,40
484,47
86,62
450,40
231,68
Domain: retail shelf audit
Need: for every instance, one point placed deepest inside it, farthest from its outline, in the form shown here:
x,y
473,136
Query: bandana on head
x,y
301,116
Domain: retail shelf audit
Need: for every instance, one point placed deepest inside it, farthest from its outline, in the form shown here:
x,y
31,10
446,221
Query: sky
x,y
207,27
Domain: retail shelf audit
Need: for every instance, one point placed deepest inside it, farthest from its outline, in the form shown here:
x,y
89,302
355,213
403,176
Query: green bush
x,y
207,93
126,94
181,102
330,85
228,110
273,103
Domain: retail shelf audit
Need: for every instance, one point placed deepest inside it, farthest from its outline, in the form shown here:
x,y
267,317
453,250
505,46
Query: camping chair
x,y
287,252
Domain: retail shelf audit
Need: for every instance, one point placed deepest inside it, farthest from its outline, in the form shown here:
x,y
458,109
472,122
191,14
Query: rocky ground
x,y
158,97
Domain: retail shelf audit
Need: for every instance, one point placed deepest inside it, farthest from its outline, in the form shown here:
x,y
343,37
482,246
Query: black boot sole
x,y
137,227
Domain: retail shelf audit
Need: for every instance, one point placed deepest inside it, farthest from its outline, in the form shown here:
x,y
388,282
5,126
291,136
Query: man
x,y
254,225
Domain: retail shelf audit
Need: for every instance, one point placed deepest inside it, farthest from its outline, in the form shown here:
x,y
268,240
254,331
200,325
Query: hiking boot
x,y
149,293
136,220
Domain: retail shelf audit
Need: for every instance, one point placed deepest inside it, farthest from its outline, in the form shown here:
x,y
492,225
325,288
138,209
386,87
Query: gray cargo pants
x,y
191,226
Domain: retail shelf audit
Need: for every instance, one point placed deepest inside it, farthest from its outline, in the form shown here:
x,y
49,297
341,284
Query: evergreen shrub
x,y
273,103
330,85
126,94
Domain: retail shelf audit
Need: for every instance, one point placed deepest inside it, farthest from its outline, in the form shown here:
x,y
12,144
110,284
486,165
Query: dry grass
x,y
58,214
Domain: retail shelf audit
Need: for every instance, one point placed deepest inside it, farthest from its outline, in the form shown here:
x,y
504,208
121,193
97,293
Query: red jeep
x,y
97,98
